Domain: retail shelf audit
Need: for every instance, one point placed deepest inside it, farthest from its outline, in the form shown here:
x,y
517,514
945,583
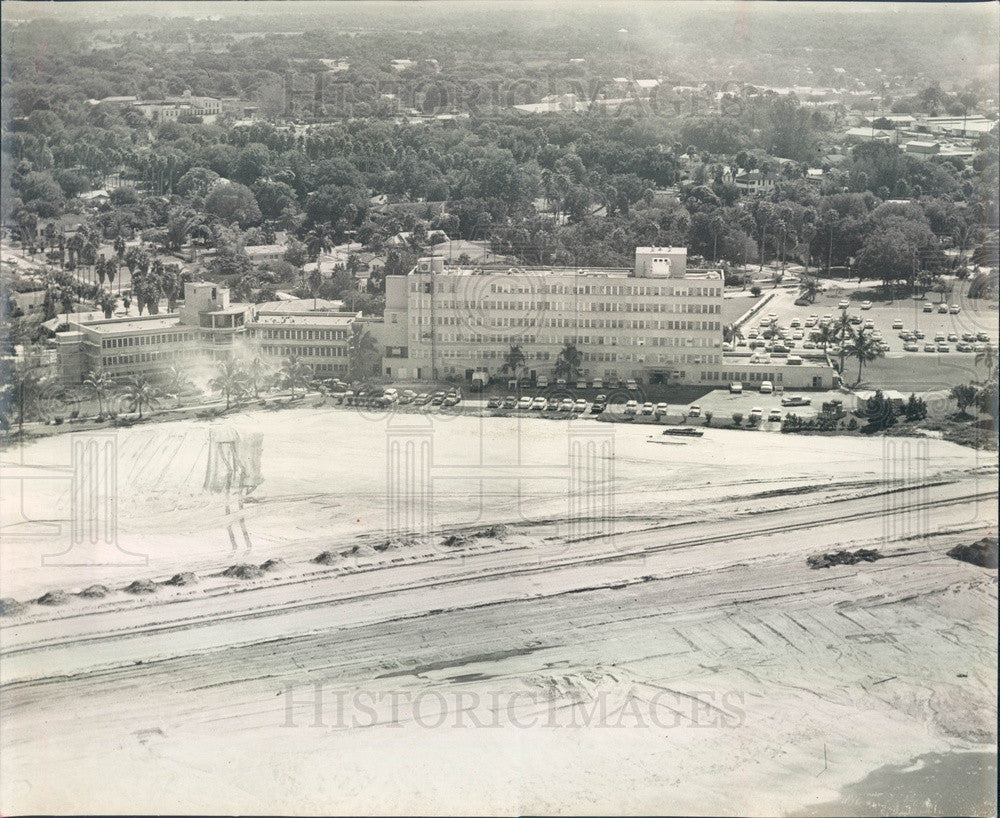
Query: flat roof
x,y
110,325
315,319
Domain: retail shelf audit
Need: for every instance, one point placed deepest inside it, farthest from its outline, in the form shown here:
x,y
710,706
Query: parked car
x,y
954,309
869,325
897,324
631,384
963,346
580,405
843,305
810,321
943,348
494,403
661,409
694,411
969,336
599,405
524,403
647,408
982,336
543,382
581,384
407,396
809,345
766,387
756,413
598,383
774,415
510,402
631,407
939,337
930,348
795,400
736,388
919,334
928,308
422,399
552,405
911,347
866,305
451,400
538,404
942,309
952,337
795,323
566,405
349,397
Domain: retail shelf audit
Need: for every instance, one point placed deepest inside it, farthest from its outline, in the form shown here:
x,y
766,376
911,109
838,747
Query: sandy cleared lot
x,y
663,657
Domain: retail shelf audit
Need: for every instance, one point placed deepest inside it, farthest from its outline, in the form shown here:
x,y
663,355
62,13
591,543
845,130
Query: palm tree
x,y
361,352
809,288
100,383
513,360
231,380
294,373
866,349
140,392
827,336
315,282
844,332
731,333
257,374
106,302
568,363
988,358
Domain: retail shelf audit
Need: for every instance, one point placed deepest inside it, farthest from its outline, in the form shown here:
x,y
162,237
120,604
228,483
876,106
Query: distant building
x,y
265,253
320,338
401,65
184,105
923,148
754,182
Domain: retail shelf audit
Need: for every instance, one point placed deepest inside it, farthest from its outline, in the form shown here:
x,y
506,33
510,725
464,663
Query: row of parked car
x,y
540,403
389,396
967,342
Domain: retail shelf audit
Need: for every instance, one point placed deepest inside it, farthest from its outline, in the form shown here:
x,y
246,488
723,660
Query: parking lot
x,y
956,337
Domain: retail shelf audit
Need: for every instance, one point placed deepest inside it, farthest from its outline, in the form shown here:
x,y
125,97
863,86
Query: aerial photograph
x,y
515,407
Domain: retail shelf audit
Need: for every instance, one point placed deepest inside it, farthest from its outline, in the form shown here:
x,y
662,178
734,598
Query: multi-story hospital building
x,y
659,322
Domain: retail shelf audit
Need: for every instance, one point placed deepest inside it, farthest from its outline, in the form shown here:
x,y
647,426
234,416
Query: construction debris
x,y
843,558
982,553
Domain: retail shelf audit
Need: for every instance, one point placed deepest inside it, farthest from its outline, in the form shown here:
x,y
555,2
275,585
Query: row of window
x,y
730,377
305,352
486,307
565,323
148,357
147,340
541,355
531,288
300,334
654,340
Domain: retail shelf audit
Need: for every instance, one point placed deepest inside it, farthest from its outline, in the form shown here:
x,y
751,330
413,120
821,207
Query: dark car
x,y
493,403
509,402
422,399
437,398
598,406
451,400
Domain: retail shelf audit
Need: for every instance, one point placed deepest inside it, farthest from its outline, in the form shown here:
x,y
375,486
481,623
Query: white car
x,y
736,388
524,403
897,324
661,409
694,412
843,305
866,305
538,403
647,408
756,413
766,387
580,405
773,415
954,309
631,407
566,405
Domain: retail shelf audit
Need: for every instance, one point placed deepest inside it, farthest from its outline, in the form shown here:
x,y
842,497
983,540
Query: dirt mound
x,y
183,578
141,586
95,592
395,544
274,565
243,571
53,598
982,553
360,550
326,558
494,532
10,606
456,540
843,558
